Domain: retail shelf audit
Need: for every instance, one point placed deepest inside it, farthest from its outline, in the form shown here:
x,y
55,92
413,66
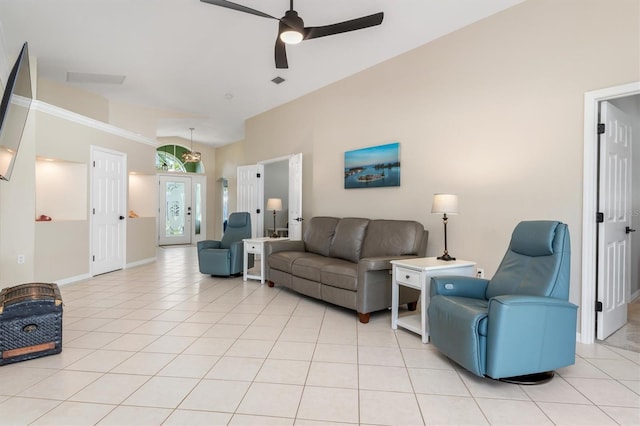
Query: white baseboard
x,y
82,277
140,262
71,280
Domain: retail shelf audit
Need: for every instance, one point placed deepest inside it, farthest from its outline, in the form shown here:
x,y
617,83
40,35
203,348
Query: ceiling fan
x,y
291,29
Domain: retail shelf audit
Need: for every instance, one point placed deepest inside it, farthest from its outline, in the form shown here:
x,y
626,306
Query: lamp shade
x,y
274,204
445,203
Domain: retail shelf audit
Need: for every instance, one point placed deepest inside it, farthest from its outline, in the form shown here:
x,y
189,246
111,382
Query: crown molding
x,y
90,122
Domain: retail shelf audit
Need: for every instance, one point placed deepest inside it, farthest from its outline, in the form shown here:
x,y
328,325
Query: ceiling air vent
x,y
278,80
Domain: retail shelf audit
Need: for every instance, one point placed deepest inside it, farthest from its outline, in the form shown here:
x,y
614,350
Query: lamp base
x,y
275,235
446,257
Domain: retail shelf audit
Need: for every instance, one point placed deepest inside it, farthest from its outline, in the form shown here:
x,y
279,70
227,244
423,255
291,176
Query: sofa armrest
x,y
529,333
284,245
453,285
379,263
207,244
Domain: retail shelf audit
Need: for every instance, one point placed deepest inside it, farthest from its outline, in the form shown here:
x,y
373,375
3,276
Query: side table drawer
x,y
253,248
408,277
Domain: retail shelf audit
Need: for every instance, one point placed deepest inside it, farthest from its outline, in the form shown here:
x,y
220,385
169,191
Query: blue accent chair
x,y
224,258
519,324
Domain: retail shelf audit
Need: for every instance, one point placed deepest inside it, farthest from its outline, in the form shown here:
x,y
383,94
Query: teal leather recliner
x,y
225,257
519,326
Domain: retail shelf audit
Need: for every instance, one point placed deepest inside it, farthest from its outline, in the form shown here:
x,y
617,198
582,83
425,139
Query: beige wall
x,y
73,99
60,250
228,158
17,207
493,112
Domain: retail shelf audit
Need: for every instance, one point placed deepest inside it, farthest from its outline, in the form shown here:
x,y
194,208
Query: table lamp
x,y
445,204
274,204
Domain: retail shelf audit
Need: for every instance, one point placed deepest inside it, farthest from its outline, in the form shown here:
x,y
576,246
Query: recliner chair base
x,y
529,379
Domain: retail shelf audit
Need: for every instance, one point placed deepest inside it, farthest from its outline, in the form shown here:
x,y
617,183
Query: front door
x,y
175,210
614,201
109,209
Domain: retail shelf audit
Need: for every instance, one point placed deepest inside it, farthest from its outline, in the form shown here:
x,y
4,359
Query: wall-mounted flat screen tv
x,y
14,110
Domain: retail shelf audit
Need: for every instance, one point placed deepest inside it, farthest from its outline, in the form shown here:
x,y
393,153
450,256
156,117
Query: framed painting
x,y
373,167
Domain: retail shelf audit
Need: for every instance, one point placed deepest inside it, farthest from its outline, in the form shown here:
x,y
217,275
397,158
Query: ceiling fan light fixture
x,y
291,36
291,28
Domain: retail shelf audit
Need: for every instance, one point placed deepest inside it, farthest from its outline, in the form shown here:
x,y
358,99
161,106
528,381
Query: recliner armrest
x,y
461,286
207,244
237,247
528,334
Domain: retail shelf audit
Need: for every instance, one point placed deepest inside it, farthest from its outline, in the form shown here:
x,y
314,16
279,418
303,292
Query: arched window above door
x,y
168,158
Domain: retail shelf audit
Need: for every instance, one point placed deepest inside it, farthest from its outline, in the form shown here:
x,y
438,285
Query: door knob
x,y
628,230
121,217
298,219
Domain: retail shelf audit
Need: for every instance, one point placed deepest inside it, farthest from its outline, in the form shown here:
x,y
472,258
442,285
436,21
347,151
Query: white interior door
x,y
614,202
295,197
175,210
109,210
250,194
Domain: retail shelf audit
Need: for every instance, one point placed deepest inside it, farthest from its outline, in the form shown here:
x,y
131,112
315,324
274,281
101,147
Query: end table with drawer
x,y
416,273
255,246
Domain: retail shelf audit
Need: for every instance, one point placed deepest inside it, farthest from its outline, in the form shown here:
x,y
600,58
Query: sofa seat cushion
x,y
283,260
341,274
309,266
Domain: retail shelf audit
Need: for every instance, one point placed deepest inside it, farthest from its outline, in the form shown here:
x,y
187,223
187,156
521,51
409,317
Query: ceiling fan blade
x,y
281,54
238,7
343,27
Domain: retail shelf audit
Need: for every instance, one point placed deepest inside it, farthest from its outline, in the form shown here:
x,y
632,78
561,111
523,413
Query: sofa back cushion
x,y
319,233
348,238
392,238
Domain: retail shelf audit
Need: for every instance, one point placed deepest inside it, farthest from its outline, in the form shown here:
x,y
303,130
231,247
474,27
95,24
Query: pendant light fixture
x,y
191,156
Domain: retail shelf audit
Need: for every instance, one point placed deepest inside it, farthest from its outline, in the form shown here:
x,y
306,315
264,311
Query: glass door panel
x,y
175,210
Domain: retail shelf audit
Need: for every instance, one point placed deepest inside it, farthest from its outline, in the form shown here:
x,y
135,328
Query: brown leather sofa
x,y
346,261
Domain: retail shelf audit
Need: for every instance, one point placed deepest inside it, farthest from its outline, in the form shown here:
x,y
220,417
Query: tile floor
x,y
628,337
163,344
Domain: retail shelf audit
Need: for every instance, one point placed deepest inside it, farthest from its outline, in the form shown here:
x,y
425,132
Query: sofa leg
x,y
364,318
412,306
270,283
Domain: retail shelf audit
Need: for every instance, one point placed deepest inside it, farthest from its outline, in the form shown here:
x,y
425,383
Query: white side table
x,y
255,246
416,273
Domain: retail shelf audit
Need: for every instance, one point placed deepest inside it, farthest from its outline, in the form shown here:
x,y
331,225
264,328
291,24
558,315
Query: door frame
x,y
288,159
124,200
193,180
589,203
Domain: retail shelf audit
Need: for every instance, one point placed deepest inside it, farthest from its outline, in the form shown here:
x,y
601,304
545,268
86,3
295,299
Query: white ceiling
x,y
214,63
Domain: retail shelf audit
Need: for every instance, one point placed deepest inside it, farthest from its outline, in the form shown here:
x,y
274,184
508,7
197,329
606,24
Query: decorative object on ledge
x,y
274,204
191,156
445,204
43,218
372,167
